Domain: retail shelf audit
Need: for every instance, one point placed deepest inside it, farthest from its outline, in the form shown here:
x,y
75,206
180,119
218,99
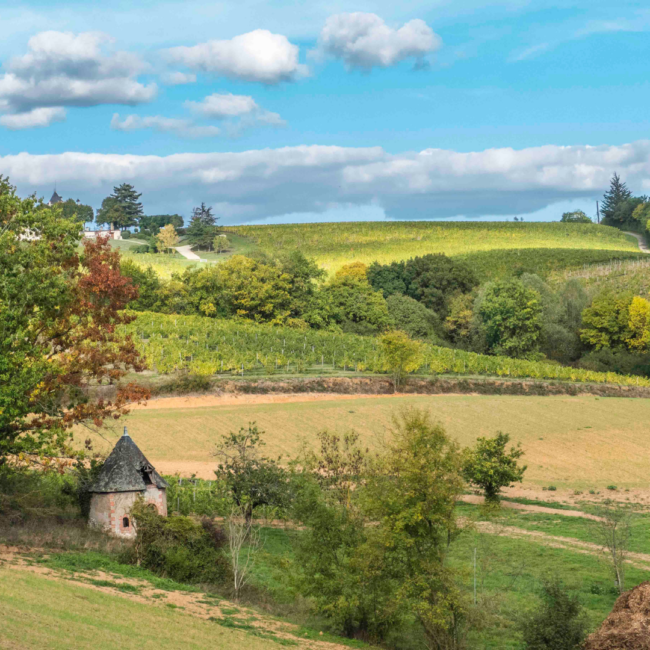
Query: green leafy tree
x,y
146,281
491,467
253,479
166,238
412,494
387,278
303,274
401,355
221,244
511,317
150,225
122,208
76,210
617,194
412,317
577,216
203,228
60,317
559,623
606,323
356,306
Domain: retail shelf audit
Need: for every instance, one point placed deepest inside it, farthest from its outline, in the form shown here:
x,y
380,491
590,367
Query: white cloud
x,y
256,56
364,40
63,69
530,52
228,106
179,127
220,106
258,184
178,78
37,117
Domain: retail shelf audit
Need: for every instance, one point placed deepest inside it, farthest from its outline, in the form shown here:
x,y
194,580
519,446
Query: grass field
x,y
334,244
570,442
37,612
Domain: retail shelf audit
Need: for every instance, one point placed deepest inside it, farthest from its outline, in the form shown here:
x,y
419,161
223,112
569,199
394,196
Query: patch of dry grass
x,y
570,442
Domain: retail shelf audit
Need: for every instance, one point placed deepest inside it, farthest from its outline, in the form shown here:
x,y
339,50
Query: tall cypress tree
x,y
614,197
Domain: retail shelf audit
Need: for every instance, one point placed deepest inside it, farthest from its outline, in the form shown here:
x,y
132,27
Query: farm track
x,y
194,604
642,245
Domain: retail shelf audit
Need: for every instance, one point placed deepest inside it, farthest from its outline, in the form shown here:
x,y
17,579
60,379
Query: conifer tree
x,y
203,228
614,197
121,208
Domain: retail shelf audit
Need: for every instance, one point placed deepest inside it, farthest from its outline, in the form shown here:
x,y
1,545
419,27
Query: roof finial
x,y
126,433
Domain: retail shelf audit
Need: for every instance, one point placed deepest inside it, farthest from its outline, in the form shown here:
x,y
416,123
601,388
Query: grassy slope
x,y
509,576
574,442
38,612
333,245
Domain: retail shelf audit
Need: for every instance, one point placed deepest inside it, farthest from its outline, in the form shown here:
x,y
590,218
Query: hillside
x,y
334,244
573,442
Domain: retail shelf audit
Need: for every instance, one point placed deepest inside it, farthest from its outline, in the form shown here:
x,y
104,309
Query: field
x,y
207,346
334,244
38,612
570,442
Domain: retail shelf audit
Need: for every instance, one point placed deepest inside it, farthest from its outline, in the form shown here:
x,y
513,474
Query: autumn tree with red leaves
x,y
61,309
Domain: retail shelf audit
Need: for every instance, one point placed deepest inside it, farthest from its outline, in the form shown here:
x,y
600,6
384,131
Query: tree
x,y
146,281
167,237
76,210
577,216
490,467
61,314
615,195
458,323
412,494
387,278
434,279
412,316
253,480
510,315
150,225
613,529
244,543
122,208
221,243
560,623
401,355
355,270
639,325
606,323
202,229
355,306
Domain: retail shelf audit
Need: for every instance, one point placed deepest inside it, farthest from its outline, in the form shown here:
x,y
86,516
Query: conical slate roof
x,y
55,199
127,470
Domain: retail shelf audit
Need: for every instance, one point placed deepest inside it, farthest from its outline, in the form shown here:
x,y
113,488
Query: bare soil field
x,y
571,443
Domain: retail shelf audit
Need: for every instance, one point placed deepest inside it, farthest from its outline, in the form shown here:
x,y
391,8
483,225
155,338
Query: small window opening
x,y
125,522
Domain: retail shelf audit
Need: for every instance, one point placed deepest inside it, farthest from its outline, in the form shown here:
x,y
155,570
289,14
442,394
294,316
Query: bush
x,y
619,361
126,234
142,248
178,547
558,624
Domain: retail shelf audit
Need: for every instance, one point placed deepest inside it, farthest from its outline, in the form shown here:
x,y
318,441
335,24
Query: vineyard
x,y
206,346
335,244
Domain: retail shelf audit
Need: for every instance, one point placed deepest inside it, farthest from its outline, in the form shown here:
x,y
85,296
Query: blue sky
x,y
345,110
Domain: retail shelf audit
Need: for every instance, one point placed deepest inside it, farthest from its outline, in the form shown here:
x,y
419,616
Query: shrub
x,y
612,487
141,248
558,624
178,547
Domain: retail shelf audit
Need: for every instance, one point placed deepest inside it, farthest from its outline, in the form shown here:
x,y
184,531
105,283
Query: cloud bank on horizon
x,y
433,183
419,111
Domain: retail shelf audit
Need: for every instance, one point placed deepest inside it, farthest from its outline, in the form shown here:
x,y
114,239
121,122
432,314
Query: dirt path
x,y
642,245
472,498
200,605
637,560
188,253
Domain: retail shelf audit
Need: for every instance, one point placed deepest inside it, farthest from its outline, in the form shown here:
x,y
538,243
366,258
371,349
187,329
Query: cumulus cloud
x,y
256,56
228,106
434,183
63,69
37,117
364,40
178,78
179,127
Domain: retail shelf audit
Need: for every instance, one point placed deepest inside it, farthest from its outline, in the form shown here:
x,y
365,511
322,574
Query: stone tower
x,y
125,476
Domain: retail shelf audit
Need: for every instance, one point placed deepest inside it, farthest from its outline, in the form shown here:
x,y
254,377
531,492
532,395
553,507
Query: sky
x,y
277,112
